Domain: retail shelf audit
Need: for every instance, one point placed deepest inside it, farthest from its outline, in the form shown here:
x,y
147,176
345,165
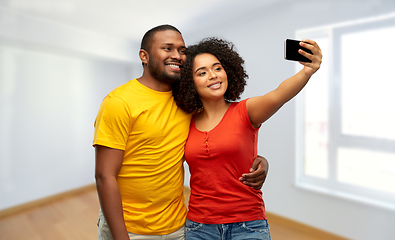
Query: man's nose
x,y
176,55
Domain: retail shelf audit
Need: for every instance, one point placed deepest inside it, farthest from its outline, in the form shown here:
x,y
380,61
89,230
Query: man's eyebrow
x,y
171,44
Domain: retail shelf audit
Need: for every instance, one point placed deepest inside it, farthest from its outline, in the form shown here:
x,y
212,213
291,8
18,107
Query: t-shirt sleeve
x,y
112,124
242,109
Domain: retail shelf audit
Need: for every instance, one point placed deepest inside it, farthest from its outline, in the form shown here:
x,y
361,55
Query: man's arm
x,y
257,175
108,164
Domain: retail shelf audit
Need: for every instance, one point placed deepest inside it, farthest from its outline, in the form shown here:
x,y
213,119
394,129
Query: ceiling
x,y
130,19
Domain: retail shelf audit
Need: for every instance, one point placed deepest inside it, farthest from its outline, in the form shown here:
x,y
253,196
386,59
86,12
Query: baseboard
x,y
46,200
271,217
322,235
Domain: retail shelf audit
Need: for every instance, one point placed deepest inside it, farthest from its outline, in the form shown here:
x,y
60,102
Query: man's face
x,y
166,56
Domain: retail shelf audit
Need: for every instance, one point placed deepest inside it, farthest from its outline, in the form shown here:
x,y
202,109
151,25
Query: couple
x,y
141,131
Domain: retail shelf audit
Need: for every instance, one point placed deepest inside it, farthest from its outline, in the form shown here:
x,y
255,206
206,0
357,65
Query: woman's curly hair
x,y
184,91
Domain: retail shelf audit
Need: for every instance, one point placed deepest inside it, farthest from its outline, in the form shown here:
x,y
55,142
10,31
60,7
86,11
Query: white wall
x,y
52,81
53,78
259,38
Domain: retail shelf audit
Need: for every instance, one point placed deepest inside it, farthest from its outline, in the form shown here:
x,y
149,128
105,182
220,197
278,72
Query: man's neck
x,y
154,84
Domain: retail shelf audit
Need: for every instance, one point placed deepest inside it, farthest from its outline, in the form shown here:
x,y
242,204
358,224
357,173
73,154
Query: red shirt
x,y
217,159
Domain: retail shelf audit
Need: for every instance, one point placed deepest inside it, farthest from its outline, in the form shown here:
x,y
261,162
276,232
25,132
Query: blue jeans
x,y
251,230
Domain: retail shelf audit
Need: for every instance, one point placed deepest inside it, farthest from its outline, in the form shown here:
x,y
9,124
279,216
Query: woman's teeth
x,y
215,85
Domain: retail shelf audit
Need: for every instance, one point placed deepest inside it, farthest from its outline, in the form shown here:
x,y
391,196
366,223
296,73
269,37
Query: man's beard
x,y
153,68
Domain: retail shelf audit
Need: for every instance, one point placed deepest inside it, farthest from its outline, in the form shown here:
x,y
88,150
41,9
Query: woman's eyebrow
x,y
218,63
201,68
214,64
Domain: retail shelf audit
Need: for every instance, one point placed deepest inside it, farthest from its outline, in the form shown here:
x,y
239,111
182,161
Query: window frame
x,y
337,139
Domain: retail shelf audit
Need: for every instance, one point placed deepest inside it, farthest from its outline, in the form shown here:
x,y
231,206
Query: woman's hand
x,y
316,57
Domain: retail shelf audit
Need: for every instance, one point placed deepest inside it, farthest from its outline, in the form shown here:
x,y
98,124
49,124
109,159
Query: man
x,y
139,145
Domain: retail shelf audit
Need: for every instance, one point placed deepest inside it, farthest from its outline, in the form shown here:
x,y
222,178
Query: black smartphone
x,y
291,48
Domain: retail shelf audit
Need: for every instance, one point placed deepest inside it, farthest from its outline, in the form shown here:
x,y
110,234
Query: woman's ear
x,y
144,56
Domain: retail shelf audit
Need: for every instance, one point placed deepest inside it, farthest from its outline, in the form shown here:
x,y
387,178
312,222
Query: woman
x,y
223,136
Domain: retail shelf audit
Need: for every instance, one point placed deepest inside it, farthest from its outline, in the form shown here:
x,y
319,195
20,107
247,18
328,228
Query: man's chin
x,y
170,79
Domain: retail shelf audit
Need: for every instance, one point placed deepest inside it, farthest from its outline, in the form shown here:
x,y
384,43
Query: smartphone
x,y
291,48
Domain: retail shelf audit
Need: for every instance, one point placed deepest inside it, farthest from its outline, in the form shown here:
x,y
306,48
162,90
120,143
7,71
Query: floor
x,y
74,218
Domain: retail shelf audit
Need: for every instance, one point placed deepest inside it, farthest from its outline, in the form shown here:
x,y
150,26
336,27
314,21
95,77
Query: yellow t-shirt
x,y
152,131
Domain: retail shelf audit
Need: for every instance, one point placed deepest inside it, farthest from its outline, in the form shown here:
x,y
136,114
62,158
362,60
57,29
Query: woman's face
x,y
209,77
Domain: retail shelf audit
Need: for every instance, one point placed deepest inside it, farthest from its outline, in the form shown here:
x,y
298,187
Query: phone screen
x,y
291,48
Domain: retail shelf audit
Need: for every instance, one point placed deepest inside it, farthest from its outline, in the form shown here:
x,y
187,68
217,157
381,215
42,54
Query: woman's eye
x,y
202,73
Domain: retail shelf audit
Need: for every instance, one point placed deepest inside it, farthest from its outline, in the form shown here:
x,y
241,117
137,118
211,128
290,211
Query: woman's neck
x,y
213,108
211,115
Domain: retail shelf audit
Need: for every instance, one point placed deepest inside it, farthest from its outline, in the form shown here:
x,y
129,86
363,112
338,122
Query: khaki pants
x,y
103,232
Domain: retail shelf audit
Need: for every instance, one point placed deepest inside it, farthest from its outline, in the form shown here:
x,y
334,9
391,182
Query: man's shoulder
x,y
124,88
127,92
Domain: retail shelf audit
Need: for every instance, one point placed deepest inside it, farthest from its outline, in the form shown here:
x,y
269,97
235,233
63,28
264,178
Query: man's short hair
x,y
148,37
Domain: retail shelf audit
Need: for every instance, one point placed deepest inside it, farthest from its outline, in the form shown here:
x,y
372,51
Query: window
x,y
346,113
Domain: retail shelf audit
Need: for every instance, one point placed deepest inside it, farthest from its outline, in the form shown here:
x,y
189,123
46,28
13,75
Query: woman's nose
x,y
212,75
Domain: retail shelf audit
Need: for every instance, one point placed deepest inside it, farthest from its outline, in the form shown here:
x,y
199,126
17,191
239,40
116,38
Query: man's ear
x,y
144,56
